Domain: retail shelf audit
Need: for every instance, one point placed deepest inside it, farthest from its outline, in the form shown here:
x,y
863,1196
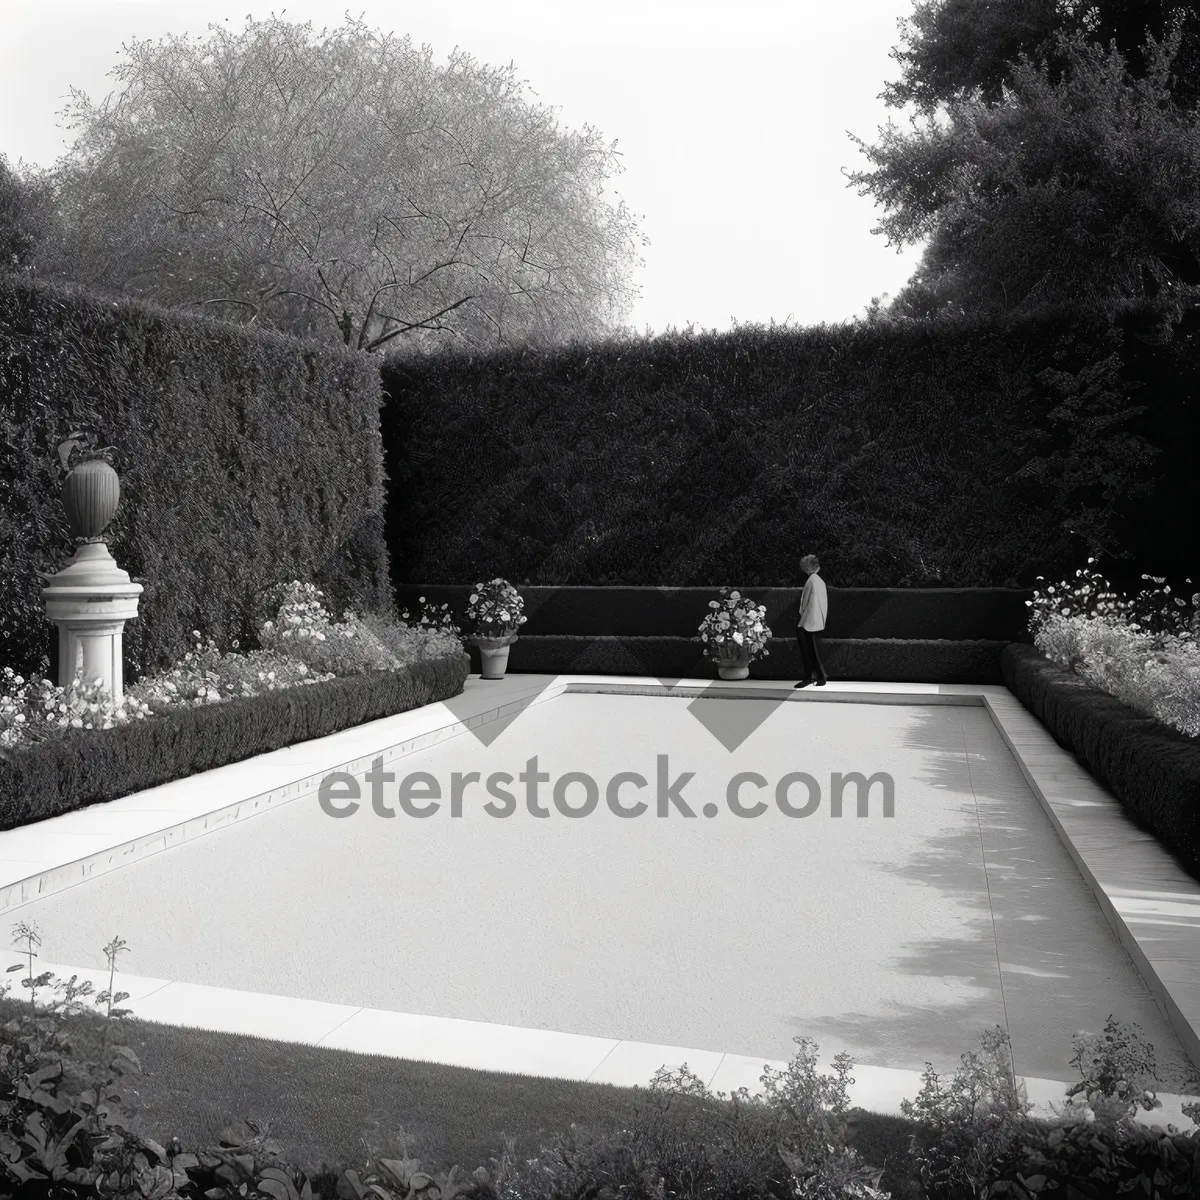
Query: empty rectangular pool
x,y
669,870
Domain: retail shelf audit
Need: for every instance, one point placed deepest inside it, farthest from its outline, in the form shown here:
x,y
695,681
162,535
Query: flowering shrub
x,y
206,676
735,624
305,631
408,643
495,609
1145,652
301,644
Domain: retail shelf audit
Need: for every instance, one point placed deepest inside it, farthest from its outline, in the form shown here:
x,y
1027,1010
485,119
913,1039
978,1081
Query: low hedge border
x,y
907,614
1152,769
93,766
876,660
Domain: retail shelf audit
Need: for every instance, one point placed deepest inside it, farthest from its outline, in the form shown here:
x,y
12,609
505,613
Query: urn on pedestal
x,y
91,598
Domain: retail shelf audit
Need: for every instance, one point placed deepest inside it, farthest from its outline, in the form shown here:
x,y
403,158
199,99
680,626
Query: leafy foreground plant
x,y
789,1141
65,1131
65,1121
976,1139
62,1127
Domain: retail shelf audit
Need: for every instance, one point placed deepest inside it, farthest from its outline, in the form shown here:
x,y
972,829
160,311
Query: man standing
x,y
814,605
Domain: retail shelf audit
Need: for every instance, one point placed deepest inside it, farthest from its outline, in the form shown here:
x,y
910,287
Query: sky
x,y
733,129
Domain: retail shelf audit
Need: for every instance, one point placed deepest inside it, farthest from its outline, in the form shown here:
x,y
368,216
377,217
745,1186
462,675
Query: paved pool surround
x,y
1001,891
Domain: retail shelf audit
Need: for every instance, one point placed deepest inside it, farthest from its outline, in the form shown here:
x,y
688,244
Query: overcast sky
x,y
733,128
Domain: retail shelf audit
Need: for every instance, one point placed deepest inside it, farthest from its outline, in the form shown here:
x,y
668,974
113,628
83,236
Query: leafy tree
x,y
345,189
955,46
26,213
1080,188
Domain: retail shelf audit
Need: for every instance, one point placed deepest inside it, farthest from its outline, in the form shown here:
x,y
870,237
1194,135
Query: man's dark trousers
x,y
809,656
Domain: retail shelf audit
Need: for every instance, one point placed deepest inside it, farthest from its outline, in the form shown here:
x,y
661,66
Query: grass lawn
x,y
334,1108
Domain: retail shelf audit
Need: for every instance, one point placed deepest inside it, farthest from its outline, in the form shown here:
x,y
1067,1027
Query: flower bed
x,y
1117,683
61,749
1143,652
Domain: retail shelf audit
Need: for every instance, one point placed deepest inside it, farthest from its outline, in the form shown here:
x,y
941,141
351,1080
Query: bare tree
x,y
342,189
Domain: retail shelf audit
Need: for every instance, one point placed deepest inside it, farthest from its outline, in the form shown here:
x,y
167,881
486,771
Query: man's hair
x,y
810,560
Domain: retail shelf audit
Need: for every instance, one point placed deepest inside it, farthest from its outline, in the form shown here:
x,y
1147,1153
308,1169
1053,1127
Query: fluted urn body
x,y
90,495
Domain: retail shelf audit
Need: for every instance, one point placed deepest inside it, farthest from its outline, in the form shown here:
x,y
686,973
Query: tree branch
x,y
406,326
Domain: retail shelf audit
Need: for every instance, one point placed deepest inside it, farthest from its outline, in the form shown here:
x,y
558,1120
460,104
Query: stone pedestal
x,y
90,600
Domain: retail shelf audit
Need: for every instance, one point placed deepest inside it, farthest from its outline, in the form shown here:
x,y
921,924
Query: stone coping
x,y
1152,904
507,1049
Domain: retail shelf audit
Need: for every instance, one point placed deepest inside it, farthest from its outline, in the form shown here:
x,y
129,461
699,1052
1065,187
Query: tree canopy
x,y
346,188
952,47
1066,177
25,217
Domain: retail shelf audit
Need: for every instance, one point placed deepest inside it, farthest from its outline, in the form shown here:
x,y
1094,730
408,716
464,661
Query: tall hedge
x,y
246,458
950,453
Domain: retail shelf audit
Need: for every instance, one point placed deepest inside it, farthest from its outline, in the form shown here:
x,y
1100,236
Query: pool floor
x,y
896,939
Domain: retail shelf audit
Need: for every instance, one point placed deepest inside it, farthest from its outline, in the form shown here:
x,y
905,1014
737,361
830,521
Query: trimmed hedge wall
x,y
1152,769
957,453
247,458
88,767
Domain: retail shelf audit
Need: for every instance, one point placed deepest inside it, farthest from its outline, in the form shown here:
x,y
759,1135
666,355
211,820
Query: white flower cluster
x,y
736,622
34,709
432,618
301,617
1143,652
495,609
303,629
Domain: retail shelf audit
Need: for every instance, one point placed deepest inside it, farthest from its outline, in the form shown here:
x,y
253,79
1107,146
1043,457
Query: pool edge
x,y
1078,806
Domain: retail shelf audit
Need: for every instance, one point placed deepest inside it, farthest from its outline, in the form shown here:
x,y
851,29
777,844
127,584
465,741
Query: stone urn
x,y
91,493
733,661
91,598
493,654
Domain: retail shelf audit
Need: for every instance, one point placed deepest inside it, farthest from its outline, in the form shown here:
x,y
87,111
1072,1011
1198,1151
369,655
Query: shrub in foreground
x,y
66,1130
976,1138
787,1142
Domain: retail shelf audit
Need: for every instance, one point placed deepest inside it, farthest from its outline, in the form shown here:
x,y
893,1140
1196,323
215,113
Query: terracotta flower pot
x,y
91,493
493,655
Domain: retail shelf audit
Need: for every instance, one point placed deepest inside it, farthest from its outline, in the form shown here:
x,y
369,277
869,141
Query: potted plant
x,y
733,633
494,614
